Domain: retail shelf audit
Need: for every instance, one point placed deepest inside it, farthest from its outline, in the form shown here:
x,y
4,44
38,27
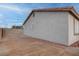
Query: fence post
x,y
2,33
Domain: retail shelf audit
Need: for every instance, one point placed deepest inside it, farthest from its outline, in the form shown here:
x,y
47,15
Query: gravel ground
x,y
17,44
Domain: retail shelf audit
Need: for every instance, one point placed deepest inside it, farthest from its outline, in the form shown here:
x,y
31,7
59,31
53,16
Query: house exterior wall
x,y
73,36
51,26
76,26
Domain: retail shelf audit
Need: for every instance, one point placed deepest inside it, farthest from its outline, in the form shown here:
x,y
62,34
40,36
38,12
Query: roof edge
x,y
28,17
64,9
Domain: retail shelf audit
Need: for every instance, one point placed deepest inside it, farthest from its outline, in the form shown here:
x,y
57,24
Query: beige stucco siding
x,y
76,26
51,26
73,22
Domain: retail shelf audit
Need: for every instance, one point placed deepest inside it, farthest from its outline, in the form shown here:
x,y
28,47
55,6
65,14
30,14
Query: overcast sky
x,y
15,14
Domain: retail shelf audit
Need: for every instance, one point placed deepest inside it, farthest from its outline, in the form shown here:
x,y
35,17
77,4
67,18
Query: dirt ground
x,y
15,43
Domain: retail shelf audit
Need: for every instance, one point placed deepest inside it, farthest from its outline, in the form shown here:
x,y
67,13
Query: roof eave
x,y
70,10
28,17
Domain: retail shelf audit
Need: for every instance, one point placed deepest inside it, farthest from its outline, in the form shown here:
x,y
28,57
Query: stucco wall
x,y
51,26
76,27
72,30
